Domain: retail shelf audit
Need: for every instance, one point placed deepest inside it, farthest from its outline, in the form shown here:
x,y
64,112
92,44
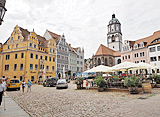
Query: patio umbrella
x,y
123,66
100,68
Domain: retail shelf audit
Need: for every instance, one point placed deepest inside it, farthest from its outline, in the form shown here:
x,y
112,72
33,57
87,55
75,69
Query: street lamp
x,y
2,10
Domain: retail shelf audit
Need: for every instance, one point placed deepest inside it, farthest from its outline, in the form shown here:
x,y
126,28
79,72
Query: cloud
x,y
84,22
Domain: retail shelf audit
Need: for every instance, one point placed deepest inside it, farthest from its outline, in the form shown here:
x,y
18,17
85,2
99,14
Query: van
x,y
13,83
50,82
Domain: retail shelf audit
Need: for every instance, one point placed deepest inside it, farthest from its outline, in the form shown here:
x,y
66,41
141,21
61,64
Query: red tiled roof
x,y
55,36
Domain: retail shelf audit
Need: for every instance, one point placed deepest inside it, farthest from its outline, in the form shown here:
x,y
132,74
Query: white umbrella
x,y
100,68
123,66
142,65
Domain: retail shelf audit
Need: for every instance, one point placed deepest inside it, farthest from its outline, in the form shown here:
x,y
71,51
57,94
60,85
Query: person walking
x,y
4,83
23,85
87,85
2,89
29,85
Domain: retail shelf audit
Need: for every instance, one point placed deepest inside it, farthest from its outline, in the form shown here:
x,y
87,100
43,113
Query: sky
x,y
83,22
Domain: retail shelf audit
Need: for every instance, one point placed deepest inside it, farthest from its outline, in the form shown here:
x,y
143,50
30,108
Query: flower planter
x,y
153,85
78,86
158,85
100,89
133,90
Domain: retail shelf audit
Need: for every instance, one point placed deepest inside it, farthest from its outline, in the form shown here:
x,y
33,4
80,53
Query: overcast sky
x,y
83,22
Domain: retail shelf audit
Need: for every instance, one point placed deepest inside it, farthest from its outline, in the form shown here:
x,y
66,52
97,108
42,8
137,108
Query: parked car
x,y
50,82
13,83
62,83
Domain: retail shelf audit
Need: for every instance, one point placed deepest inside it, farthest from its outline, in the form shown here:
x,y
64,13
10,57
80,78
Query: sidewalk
x,y
12,109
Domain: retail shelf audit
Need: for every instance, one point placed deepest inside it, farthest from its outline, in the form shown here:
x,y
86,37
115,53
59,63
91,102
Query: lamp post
x,y
2,10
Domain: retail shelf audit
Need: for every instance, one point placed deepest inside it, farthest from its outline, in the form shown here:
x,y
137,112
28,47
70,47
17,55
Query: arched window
x,y
110,60
118,61
106,62
99,61
113,38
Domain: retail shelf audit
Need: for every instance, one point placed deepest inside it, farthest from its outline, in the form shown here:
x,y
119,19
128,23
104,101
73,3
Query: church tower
x,y
114,36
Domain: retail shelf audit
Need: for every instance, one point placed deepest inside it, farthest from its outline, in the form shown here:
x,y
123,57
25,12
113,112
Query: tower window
x,y
113,46
113,39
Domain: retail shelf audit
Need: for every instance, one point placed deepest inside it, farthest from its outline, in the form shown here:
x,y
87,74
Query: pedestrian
x,y
4,83
23,85
29,85
1,90
87,85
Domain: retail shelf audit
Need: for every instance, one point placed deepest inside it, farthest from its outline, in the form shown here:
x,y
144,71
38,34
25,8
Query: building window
x,y
15,56
41,57
14,76
153,49
36,67
36,56
128,56
30,44
21,66
7,57
143,61
52,68
53,59
81,62
32,78
46,58
31,55
135,55
49,58
15,67
20,78
58,56
50,50
140,54
31,66
125,57
143,53
53,51
77,62
34,46
22,55
66,66
66,58
81,57
8,47
18,37
16,45
58,65
47,68
12,38
77,56
158,58
6,67
153,59
158,48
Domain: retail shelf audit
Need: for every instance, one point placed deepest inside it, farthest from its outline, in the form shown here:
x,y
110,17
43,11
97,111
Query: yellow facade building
x,y
26,55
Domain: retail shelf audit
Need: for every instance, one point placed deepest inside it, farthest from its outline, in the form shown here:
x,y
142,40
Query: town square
x,y
79,58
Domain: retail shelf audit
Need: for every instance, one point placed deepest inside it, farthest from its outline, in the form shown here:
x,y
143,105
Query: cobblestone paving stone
x,y
48,102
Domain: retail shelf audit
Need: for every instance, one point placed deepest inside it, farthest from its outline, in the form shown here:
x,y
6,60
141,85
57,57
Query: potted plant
x,y
132,83
79,82
157,80
99,80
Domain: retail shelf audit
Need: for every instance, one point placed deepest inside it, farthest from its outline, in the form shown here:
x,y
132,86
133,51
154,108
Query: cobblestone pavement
x,y
48,101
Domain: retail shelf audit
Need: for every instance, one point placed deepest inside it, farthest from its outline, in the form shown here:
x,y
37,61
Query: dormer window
x,y
18,37
12,38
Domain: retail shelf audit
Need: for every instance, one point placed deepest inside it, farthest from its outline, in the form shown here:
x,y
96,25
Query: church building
x,y
111,55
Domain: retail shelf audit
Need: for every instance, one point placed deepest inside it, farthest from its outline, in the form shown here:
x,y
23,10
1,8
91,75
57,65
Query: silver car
x,y
61,83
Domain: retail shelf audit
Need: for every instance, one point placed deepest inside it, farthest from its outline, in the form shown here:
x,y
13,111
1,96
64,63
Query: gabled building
x,y
105,56
61,50
26,55
80,59
72,60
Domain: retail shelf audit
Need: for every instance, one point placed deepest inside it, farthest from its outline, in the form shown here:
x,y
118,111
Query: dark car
x,y
50,82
